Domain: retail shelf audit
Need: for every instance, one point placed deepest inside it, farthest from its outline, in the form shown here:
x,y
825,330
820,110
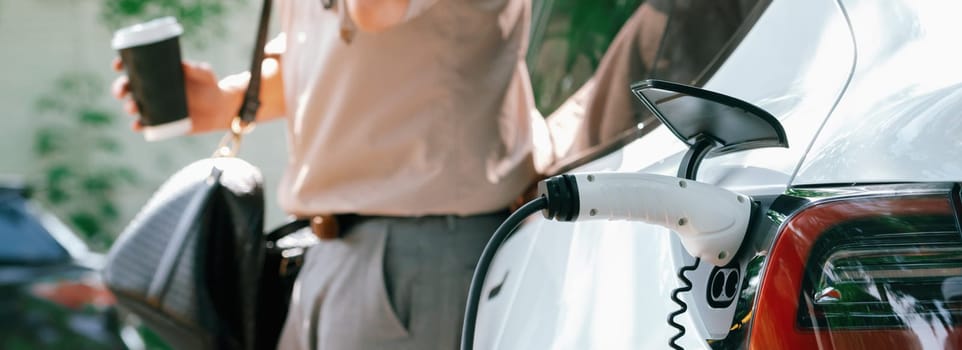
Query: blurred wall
x,y
43,41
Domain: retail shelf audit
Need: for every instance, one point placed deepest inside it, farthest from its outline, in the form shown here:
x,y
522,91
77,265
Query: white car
x,y
853,239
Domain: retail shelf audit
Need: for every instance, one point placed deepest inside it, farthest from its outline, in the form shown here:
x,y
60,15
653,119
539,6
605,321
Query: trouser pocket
x,y
394,283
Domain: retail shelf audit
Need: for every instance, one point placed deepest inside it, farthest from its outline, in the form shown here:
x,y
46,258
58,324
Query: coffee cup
x,y
150,53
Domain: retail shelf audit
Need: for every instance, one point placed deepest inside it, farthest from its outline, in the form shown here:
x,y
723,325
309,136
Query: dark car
x,y
50,291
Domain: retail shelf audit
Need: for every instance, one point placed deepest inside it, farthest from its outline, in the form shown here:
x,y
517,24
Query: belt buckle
x,y
325,227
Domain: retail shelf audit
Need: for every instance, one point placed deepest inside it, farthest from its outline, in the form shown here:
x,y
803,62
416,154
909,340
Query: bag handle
x,y
248,109
243,123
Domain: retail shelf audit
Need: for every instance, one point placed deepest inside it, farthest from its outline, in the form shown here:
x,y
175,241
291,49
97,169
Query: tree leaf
x,y
59,174
86,223
96,117
109,145
48,141
48,104
127,175
108,211
97,184
56,195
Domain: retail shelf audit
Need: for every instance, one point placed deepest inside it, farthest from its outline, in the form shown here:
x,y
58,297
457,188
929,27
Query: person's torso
x,y
429,117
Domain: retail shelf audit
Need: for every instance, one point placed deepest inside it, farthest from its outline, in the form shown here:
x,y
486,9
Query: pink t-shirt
x,y
433,116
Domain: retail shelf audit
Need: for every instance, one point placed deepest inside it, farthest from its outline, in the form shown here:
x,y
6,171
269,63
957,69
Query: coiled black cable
x,y
487,255
685,287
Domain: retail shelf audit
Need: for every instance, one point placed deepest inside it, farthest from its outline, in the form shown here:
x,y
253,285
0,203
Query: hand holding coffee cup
x,y
150,53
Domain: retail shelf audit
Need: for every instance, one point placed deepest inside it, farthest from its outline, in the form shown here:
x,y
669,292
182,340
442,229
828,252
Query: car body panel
x,y
900,120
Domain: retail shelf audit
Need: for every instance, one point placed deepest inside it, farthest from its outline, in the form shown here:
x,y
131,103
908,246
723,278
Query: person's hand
x,y
209,106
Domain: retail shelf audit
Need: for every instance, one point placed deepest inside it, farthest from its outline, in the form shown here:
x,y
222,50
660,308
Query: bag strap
x,y
286,229
243,123
248,109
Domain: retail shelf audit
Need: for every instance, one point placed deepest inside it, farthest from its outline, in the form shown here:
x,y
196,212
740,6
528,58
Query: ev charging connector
x,y
710,221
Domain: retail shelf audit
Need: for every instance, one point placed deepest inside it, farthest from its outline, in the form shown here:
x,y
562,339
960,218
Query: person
x,y
410,123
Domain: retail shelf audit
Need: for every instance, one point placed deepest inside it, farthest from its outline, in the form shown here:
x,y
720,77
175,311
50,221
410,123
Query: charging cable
x,y
481,270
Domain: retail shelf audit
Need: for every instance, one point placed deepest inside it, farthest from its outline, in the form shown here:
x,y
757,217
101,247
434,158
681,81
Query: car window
x,y
568,40
593,113
25,240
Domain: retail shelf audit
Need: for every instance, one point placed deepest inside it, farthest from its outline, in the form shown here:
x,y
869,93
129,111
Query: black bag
x,y
195,264
189,263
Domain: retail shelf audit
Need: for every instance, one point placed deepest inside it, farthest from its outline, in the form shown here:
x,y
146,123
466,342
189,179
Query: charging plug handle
x,y
711,221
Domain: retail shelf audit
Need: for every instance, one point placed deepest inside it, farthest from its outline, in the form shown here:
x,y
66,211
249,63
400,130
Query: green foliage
x,y
81,167
80,170
569,42
201,19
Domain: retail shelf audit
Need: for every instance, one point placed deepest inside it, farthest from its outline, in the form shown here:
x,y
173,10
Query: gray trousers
x,y
390,283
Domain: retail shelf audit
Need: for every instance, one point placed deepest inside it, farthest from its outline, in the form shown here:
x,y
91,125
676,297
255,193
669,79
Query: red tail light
x,y
867,273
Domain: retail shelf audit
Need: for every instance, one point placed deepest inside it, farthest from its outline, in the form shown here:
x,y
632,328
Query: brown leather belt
x,y
334,226
325,227
330,226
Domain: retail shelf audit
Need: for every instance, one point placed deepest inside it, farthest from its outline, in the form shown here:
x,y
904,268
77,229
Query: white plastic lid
x,y
146,33
166,131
